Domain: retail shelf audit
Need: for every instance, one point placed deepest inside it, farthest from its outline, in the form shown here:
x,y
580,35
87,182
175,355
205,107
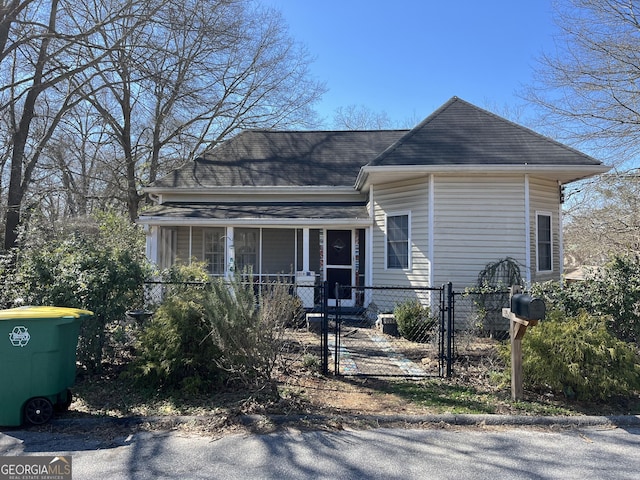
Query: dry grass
x,y
304,393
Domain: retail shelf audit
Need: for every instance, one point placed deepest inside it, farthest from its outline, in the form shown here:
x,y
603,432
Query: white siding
x,y
545,198
478,220
182,252
402,197
197,249
186,252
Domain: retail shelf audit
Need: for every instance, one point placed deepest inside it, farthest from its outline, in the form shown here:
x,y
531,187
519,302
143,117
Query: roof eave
x,y
564,173
255,222
316,189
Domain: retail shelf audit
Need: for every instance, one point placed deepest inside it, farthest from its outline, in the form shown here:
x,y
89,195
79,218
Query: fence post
x,y
338,339
324,335
450,326
441,341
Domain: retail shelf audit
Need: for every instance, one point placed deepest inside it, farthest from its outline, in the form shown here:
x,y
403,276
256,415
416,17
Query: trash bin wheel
x,y
38,411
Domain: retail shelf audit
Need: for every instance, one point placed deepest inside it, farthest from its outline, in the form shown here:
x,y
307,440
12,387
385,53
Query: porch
x,y
303,256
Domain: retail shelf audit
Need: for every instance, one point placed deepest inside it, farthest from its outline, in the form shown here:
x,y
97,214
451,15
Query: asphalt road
x,y
458,453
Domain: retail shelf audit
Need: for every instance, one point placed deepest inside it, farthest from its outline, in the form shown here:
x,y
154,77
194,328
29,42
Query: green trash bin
x,y
37,362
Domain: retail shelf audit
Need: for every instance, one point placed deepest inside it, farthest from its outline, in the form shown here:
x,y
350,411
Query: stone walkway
x,y
366,351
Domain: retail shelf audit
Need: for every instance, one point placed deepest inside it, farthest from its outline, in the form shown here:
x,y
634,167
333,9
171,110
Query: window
x,y
398,241
246,245
543,235
214,246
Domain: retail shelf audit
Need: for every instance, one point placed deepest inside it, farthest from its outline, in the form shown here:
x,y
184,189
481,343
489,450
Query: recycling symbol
x,y
19,336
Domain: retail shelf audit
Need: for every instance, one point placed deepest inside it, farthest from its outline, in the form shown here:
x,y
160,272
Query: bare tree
x,y
360,117
43,46
589,87
611,226
589,91
193,74
71,180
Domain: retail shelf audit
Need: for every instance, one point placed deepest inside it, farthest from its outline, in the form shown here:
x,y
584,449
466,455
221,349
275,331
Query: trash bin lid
x,y
42,312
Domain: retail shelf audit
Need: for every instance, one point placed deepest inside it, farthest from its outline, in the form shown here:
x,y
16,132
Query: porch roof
x,y
280,213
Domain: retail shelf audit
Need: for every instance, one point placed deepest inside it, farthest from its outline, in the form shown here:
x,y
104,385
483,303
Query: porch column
x,y
305,249
231,253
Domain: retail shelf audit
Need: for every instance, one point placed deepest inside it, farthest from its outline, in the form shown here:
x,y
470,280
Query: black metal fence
x,y
382,331
481,312
387,331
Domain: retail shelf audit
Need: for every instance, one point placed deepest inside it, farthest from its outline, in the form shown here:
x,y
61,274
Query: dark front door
x,y
339,255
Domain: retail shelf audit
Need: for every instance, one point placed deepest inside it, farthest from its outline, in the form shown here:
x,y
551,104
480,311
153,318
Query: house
x,y
418,207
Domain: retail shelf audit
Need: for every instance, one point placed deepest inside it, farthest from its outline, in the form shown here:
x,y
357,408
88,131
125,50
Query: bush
x,y
616,293
97,265
415,322
578,356
174,350
248,330
205,335
613,291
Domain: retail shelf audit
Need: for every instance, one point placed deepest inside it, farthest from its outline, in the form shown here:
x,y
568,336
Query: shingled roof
x,y
459,133
263,158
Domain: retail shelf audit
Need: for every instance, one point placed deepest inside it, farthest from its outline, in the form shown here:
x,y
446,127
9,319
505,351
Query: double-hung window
x,y
398,251
214,249
544,242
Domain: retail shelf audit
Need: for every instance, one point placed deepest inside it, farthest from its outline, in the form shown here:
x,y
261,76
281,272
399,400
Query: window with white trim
x,y
214,250
544,238
397,228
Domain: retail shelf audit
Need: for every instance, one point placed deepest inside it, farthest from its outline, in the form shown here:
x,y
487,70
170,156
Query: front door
x,y
339,266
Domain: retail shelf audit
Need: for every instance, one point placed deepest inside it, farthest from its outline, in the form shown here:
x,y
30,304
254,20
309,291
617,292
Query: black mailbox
x,y
527,307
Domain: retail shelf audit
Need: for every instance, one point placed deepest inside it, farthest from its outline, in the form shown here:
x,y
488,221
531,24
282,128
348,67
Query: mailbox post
x,y
524,311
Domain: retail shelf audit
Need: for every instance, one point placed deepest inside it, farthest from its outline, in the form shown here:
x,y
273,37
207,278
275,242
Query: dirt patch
x,y
404,394
311,400
350,397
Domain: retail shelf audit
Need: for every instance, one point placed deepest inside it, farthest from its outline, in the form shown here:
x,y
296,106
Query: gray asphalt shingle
x,y
218,211
259,158
458,133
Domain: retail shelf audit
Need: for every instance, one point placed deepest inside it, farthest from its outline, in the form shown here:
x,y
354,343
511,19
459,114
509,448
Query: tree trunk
x,y
18,185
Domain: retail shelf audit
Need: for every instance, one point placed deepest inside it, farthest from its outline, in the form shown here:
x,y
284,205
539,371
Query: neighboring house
x,y
418,207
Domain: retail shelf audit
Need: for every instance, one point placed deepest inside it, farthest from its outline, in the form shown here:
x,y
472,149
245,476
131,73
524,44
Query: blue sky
x,y
408,57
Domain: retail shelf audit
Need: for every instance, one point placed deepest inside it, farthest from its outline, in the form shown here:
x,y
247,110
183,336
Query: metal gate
x,y
363,338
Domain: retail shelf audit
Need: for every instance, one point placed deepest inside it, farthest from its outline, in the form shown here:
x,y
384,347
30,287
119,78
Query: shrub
x,y
616,293
415,322
97,265
248,330
177,280
578,356
174,350
311,362
613,291
206,334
